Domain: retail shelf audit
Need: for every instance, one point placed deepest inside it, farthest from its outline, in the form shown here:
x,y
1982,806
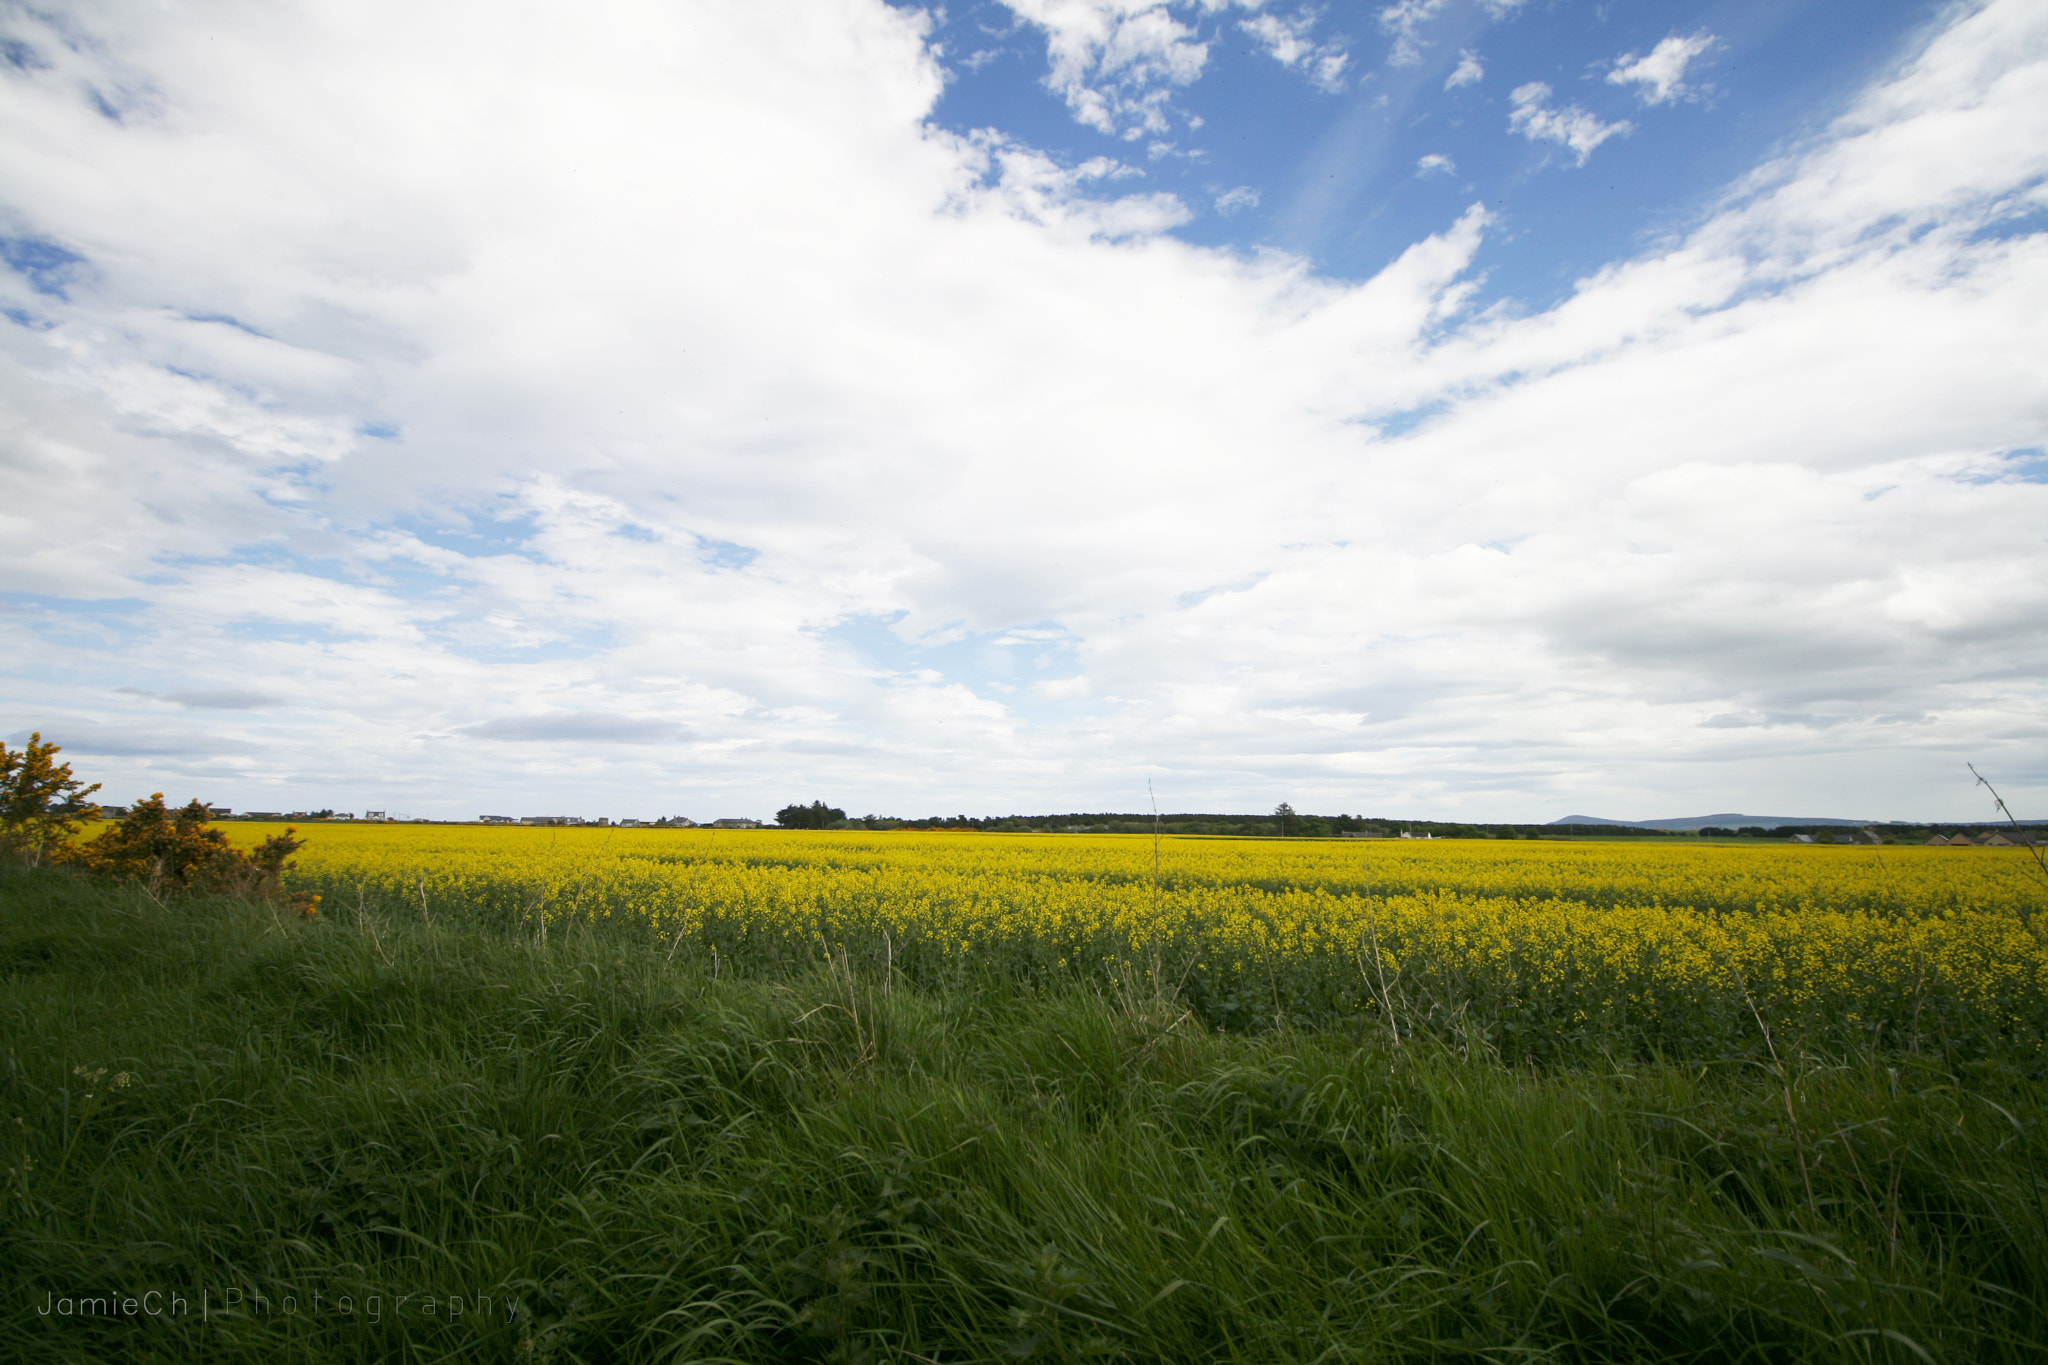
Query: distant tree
x,y
817,815
40,801
1283,813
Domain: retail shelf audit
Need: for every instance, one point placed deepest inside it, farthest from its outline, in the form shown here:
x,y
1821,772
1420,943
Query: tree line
x,y
1283,822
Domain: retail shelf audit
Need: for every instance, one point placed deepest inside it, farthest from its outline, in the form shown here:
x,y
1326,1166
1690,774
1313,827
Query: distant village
x,y
385,817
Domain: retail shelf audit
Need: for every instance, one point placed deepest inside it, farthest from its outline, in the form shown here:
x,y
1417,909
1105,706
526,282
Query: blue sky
x,y
1467,409
1348,167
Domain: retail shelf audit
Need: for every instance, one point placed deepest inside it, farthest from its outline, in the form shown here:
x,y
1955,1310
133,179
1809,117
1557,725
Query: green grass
x,y
631,1158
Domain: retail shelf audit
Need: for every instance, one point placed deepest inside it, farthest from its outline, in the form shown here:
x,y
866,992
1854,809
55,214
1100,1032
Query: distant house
x,y
1938,842
1861,836
1801,839
550,819
375,815
734,824
1999,838
1961,840
113,812
220,812
497,820
681,822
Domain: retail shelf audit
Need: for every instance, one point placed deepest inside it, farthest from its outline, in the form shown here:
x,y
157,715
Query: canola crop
x,y
1536,948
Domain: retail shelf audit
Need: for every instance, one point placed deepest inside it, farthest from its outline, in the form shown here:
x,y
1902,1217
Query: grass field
x,y
1549,950
762,1097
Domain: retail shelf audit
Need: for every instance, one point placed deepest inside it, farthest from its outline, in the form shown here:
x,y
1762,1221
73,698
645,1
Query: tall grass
x,y
1559,953
334,1134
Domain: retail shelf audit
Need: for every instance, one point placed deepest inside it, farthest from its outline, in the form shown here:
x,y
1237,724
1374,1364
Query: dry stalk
x,y
1158,977
1379,965
2031,845
1785,1082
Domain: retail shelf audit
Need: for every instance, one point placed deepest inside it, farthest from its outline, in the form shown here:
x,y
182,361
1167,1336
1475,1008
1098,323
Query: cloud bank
x,y
655,413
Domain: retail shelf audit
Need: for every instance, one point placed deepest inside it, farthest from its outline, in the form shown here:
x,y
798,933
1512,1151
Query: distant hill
x,y
1723,821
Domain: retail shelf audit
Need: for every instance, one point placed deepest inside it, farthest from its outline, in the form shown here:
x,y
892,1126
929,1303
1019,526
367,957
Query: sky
x,y
1450,409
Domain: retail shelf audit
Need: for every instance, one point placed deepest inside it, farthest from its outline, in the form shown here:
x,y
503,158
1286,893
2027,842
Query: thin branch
x,y
2031,845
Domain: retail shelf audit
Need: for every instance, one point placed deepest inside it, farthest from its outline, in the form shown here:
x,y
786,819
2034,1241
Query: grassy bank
x,y
392,1139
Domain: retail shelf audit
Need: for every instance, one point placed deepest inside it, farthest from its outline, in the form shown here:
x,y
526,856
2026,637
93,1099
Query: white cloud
x,y
1467,72
577,727
1574,127
916,472
1113,61
1290,42
1032,187
1405,20
1234,200
1660,72
1287,40
1116,63
1435,163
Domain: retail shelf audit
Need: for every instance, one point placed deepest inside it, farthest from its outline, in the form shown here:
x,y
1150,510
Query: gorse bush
x,y
178,850
40,801
42,806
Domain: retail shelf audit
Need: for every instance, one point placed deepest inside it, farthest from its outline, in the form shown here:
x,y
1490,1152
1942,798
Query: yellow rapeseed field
x,y
1674,946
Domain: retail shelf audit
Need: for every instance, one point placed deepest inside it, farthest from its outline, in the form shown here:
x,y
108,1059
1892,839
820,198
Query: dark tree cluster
x,y
817,815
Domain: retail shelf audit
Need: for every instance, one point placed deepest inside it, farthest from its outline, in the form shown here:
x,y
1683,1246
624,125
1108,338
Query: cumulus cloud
x,y
1030,185
1406,20
1532,116
1291,43
1114,61
1435,163
1659,73
1236,200
919,472
1467,72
